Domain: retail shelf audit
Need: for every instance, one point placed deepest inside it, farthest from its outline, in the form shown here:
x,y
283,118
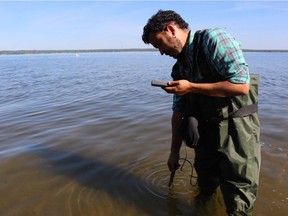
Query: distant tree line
x,y
15,52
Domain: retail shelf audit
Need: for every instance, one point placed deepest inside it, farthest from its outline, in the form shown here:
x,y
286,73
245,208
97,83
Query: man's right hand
x,y
173,162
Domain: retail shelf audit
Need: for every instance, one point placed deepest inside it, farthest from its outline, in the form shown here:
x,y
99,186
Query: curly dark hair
x,y
159,21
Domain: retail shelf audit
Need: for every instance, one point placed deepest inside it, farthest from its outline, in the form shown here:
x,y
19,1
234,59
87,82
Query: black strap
x,y
244,111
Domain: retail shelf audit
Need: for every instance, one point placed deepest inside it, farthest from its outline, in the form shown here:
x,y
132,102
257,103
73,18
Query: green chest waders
x,y
248,105
232,154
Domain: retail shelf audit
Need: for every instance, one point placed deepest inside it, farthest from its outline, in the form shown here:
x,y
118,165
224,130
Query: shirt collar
x,y
187,46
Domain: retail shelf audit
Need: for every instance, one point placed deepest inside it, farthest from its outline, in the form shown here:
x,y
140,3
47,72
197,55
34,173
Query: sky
x,y
57,25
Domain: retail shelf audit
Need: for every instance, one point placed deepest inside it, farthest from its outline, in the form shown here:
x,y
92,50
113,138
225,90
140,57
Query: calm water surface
x,y
88,135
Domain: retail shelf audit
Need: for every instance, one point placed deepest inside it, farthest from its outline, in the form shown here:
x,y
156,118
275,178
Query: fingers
x,y
173,83
172,87
178,87
175,87
173,90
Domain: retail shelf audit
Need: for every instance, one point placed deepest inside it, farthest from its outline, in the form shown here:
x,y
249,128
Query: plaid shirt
x,y
224,57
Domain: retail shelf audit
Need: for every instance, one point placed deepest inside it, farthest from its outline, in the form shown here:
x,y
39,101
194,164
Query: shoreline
x,y
21,52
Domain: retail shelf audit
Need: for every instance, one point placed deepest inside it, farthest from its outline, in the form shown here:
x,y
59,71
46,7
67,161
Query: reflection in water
x,y
127,190
101,176
97,175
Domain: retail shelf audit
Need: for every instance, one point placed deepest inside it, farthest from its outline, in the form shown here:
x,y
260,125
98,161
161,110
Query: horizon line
x,y
44,51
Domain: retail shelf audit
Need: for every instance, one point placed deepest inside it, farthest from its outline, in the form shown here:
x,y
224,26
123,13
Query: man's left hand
x,y
179,87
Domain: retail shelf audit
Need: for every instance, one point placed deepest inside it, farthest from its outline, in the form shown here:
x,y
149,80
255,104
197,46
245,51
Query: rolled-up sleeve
x,y
226,56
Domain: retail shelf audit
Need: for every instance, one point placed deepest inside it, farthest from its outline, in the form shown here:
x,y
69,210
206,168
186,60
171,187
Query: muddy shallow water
x,y
88,135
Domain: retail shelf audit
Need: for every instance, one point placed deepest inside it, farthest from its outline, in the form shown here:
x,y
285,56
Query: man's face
x,y
166,43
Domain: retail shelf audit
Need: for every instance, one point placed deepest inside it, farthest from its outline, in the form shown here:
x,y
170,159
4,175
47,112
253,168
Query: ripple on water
x,y
156,176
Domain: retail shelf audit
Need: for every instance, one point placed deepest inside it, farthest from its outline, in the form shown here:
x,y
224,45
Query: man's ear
x,y
171,28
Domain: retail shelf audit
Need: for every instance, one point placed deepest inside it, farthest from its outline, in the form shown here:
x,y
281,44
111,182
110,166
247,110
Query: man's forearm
x,y
176,142
176,135
218,89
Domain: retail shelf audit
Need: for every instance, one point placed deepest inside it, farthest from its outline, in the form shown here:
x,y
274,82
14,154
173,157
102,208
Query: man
x,y
211,80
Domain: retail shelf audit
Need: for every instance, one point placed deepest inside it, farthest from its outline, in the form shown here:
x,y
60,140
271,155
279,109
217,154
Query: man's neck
x,y
185,42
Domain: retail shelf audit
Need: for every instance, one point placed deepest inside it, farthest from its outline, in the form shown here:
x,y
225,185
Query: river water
x,y
87,135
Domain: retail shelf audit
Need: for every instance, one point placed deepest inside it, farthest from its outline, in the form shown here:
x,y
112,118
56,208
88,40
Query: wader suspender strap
x,y
244,111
